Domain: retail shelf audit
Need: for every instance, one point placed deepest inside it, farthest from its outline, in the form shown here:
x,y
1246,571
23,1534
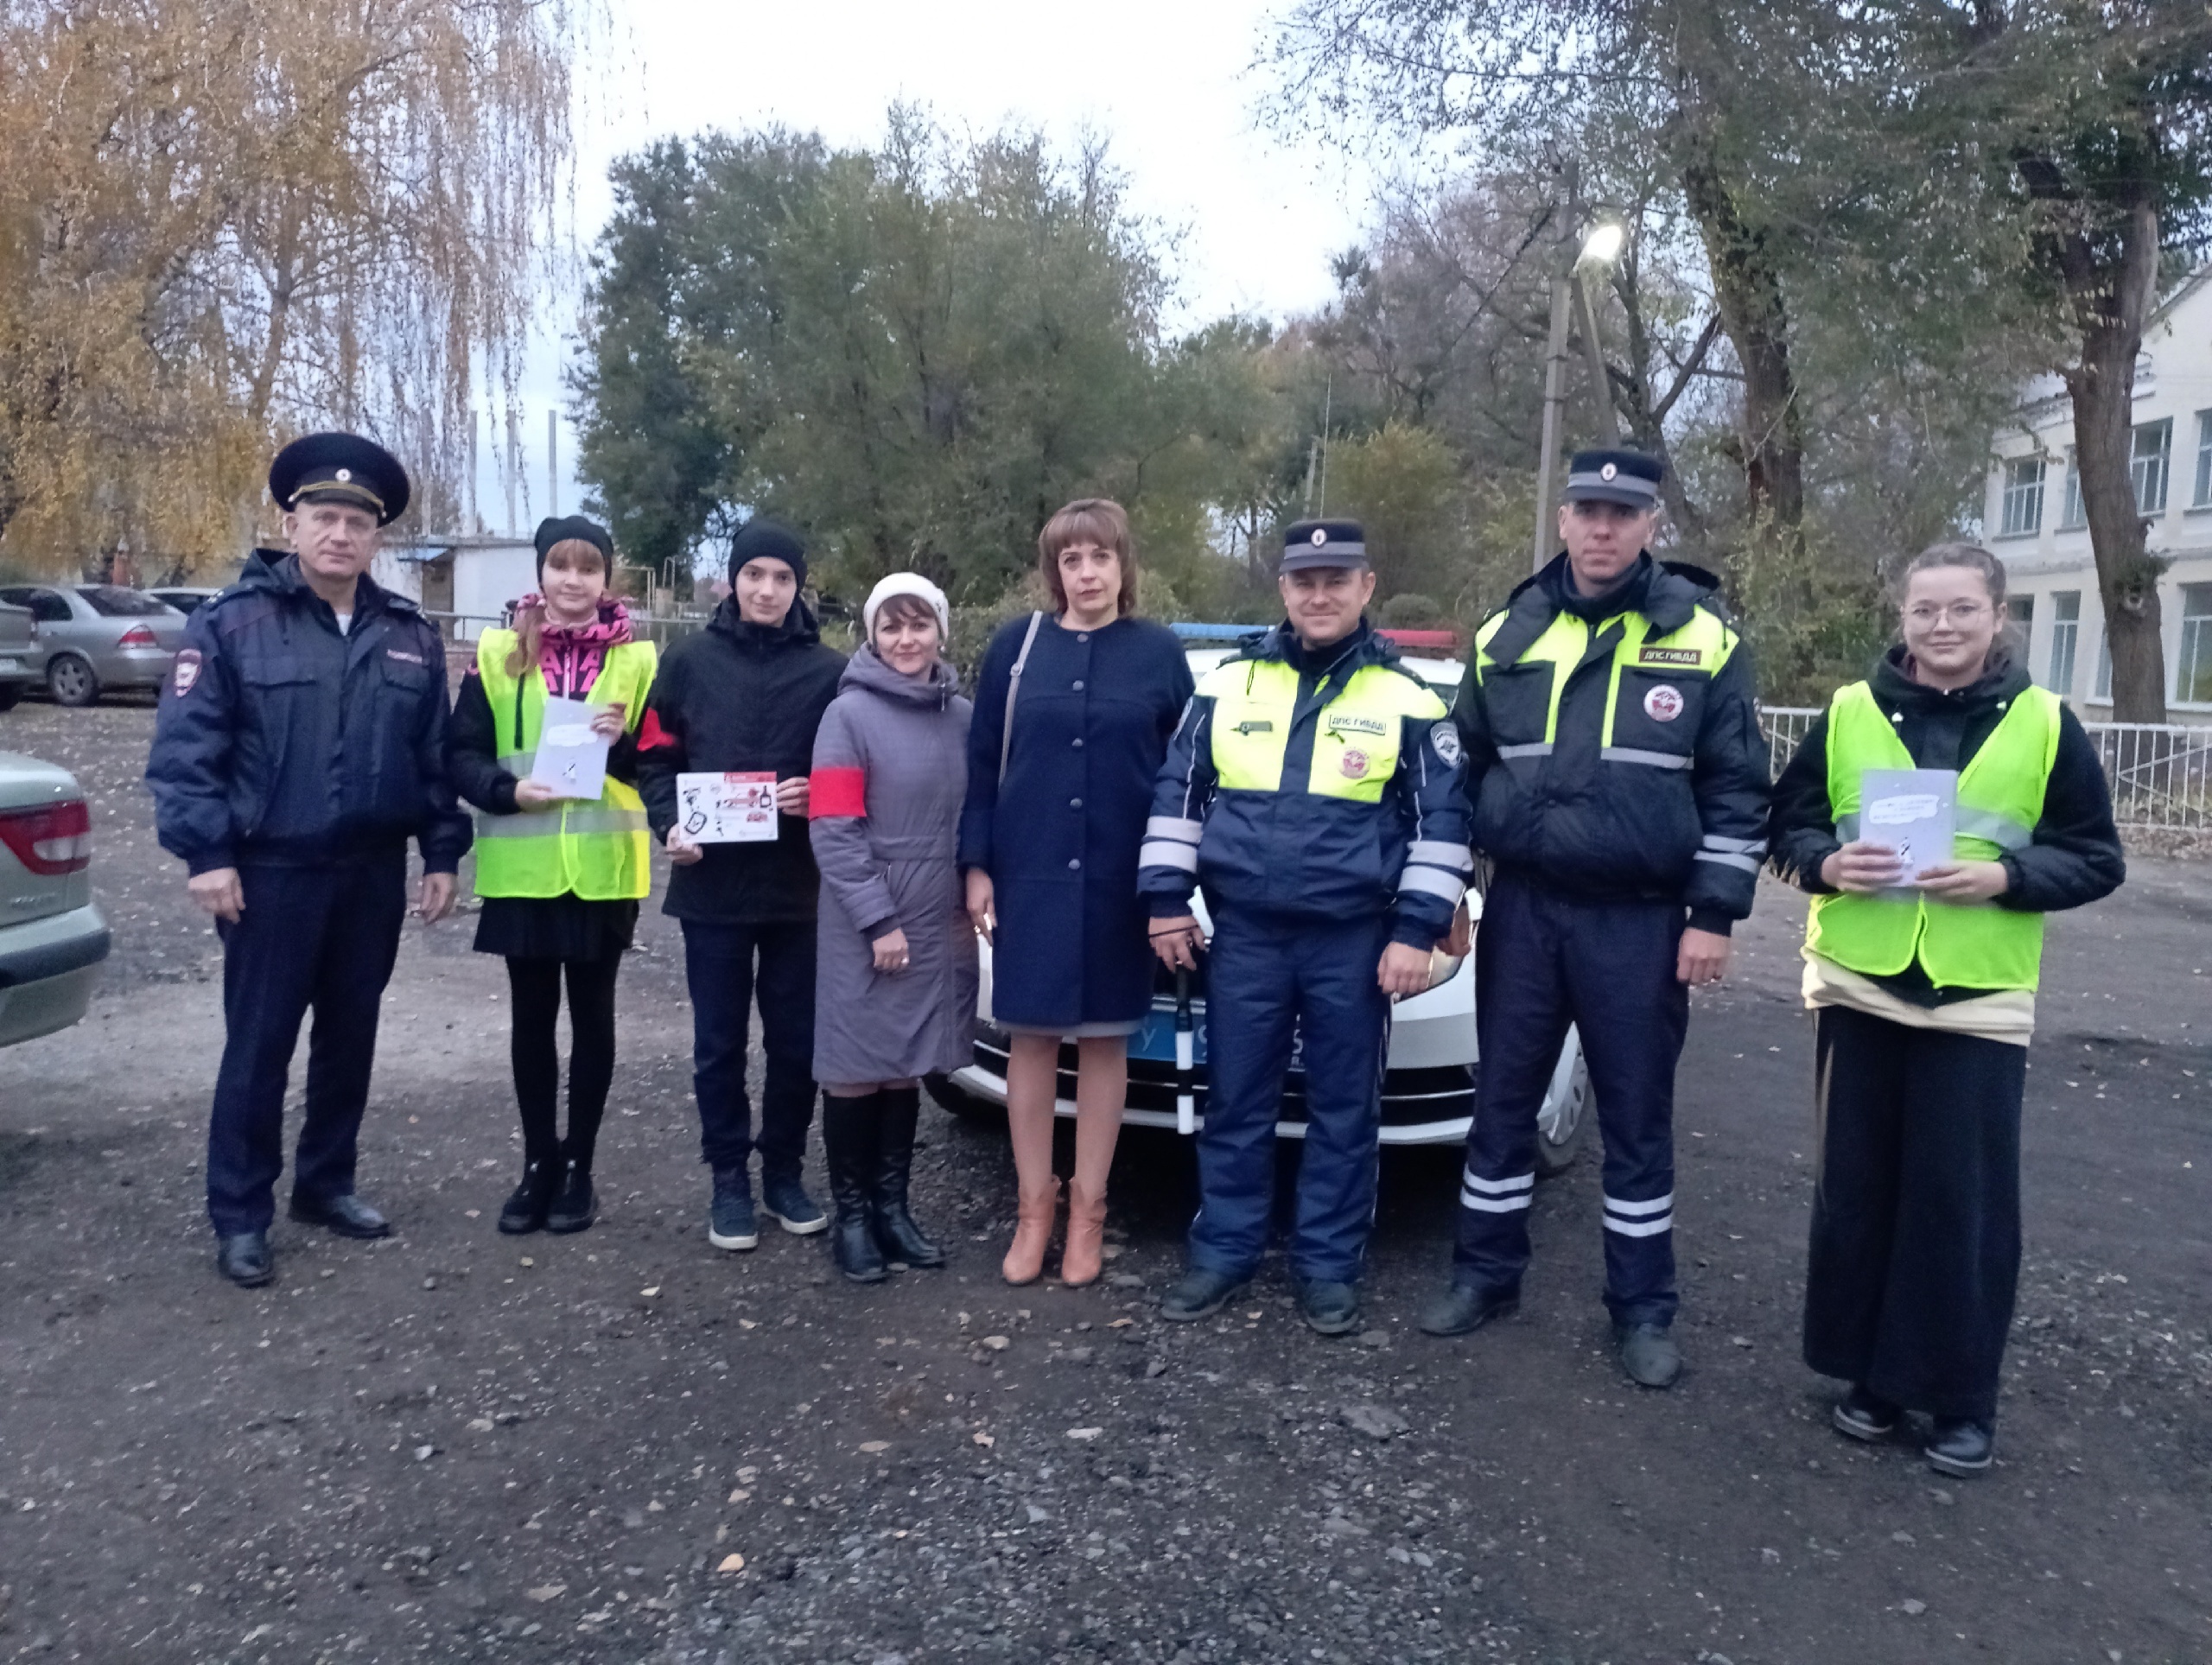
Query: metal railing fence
x,y
2160,772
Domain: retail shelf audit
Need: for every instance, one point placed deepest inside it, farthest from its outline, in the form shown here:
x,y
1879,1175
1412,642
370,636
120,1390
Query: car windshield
x,y
113,601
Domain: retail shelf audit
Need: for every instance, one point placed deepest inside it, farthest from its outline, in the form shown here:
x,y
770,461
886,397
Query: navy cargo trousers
x,y
1543,961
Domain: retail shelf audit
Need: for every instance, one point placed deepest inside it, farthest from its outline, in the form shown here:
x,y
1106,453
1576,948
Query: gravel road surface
x,y
626,1446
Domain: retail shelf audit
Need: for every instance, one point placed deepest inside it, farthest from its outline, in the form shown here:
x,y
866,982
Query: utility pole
x,y
552,461
1568,293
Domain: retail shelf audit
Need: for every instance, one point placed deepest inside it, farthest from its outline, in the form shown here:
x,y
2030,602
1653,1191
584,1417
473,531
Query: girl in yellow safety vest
x,y
1922,975
560,874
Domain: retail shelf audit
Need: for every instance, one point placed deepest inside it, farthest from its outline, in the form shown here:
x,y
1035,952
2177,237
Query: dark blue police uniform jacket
x,y
280,742
1060,837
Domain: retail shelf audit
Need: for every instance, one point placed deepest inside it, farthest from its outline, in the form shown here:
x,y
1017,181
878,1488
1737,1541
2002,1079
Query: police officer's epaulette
x,y
228,611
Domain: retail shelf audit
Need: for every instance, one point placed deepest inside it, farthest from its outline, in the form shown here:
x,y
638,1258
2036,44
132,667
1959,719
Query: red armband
x,y
650,733
837,791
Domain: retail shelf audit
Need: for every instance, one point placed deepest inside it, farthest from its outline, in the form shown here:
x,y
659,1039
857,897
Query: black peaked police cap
x,y
1323,543
1630,478
339,468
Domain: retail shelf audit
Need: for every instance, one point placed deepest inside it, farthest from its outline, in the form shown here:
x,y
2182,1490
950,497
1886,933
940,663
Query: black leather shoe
x,y
1960,1446
1465,1308
347,1215
1328,1308
524,1208
1200,1295
1864,1415
244,1258
575,1205
1648,1354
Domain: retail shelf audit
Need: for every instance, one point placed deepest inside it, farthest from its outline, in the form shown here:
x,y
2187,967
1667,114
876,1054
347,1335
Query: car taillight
x,y
137,636
53,838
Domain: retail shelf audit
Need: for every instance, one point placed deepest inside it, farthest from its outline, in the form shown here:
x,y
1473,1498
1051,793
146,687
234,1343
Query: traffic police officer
x,y
1314,788
1619,782
300,743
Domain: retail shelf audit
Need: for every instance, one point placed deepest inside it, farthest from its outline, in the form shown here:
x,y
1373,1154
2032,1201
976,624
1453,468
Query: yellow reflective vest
x,y
599,849
1971,945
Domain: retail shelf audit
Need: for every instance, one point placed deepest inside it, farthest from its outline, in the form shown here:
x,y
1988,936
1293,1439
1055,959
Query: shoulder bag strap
x,y
1013,688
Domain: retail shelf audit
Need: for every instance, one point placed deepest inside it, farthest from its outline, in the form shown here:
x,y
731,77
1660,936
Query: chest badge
x,y
1354,763
1663,703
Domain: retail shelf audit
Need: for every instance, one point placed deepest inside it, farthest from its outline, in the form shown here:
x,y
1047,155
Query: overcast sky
x,y
1171,83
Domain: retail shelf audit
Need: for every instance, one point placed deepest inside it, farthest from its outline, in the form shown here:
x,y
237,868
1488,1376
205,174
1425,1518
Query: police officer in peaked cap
x,y
300,744
1313,787
1620,784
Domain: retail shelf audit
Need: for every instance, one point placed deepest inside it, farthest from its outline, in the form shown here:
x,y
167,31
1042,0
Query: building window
x,y
2065,630
2023,609
2203,497
2103,688
2071,516
2023,501
2193,677
2149,464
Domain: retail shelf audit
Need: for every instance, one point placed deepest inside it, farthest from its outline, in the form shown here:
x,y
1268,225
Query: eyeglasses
x,y
1958,613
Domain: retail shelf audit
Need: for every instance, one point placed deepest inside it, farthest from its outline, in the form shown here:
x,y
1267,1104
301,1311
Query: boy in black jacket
x,y
746,694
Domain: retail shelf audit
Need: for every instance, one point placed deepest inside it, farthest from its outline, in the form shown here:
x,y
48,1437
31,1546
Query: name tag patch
x,y
1689,658
1254,727
401,655
1348,724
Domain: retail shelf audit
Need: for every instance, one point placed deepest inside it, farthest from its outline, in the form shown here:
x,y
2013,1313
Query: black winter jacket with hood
x,y
738,698
280,742
1616,832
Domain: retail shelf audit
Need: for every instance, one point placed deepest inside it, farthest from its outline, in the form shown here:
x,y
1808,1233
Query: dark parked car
x,y
93,637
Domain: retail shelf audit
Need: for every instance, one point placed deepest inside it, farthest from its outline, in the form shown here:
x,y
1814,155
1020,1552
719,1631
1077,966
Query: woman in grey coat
x,y
896,974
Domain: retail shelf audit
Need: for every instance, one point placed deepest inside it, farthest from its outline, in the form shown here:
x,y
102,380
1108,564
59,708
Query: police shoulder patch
x,y
186,672
1445,737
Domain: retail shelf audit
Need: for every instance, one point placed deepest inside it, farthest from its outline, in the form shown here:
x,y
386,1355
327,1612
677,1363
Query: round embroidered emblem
x,y
345,476
1320,536
1354,764
1663,703
1609,471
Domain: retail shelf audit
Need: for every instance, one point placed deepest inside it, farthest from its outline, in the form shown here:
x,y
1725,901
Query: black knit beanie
x,y
550,533
761,537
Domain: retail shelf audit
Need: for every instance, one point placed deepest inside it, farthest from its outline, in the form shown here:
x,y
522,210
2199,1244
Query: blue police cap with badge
x,y
1323,543
339,468
1628,478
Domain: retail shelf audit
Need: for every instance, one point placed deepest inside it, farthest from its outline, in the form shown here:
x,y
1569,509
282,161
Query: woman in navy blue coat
x,y
1050,852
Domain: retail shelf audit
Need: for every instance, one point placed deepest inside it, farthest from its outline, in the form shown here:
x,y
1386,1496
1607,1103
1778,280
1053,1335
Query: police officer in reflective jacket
x,y
301,742
1619,784
1314,788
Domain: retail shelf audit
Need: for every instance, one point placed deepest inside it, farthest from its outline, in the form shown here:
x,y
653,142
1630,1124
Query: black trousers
x,y
535,1048
1542,961
718,966
321,939
1916,1249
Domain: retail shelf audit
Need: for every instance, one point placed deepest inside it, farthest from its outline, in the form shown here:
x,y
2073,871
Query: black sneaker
x,y
1465,1308
731,1224
1960,1446
784,1200
1864,1415
1200,1295
524,1210
576,1206
1329,1308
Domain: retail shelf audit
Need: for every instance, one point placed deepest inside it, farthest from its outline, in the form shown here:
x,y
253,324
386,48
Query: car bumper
x,y
136,667
48,968
1430,1104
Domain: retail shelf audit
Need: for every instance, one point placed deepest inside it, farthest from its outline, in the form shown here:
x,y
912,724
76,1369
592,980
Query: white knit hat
x,y
908,583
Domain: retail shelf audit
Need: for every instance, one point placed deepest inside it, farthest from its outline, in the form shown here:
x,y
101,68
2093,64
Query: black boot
x,y
525,1208
848,1140
896,1234
577,1204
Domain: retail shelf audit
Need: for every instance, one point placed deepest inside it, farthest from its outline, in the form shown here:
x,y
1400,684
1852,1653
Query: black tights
x,y
536,1053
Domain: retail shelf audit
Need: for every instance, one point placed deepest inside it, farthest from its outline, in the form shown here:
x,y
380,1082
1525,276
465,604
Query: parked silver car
x,y
52,935
92,637
18,654
185,598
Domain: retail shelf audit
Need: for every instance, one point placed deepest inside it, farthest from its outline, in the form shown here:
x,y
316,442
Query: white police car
x,y
1428,1080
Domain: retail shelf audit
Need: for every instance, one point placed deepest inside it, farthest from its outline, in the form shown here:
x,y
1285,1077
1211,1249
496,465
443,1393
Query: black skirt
x,y
564,927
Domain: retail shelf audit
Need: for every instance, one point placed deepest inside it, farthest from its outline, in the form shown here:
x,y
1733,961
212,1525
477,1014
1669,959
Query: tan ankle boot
x,y
1033,1230
1086,1226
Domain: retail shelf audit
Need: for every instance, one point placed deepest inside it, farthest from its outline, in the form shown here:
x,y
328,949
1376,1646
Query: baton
x,y
1185,1112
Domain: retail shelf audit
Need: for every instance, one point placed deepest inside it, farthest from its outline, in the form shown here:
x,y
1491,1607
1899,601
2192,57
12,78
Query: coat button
x,y
1077,742
1078,687
1075,803
1074,862
1082,636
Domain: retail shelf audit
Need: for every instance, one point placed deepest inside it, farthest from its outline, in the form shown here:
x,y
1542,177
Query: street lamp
x,y
1599,249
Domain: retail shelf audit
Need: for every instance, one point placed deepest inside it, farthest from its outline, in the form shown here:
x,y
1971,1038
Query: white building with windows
x,y
2034,521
